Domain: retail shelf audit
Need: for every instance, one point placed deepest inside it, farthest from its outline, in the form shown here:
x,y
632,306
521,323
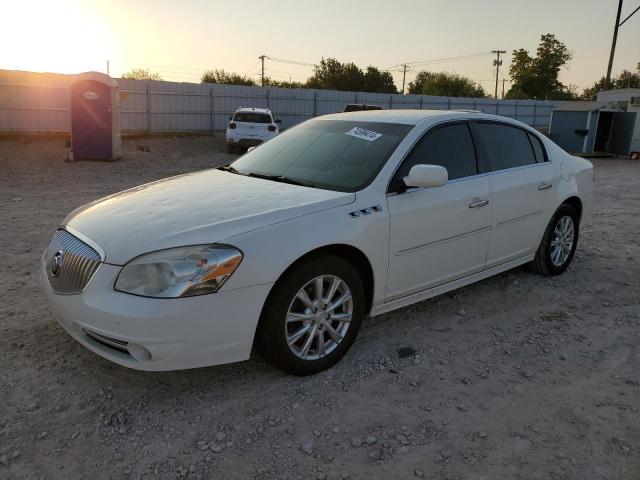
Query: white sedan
x,y
289,248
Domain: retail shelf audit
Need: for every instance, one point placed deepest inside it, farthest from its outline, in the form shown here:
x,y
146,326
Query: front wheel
x,y
312,316
559,242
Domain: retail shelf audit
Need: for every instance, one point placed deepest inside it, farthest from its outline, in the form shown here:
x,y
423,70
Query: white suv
x,y
249,127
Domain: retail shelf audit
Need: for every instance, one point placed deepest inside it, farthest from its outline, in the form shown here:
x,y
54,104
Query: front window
x,y
331,154
252,117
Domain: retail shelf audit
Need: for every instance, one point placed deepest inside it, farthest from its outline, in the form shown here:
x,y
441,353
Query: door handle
x,y
545,186
479,203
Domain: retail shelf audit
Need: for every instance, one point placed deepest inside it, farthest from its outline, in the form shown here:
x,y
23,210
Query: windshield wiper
x,y
275,178
230,169
282,179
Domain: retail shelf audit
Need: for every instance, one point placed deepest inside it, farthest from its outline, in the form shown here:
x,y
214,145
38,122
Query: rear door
x,y
522,184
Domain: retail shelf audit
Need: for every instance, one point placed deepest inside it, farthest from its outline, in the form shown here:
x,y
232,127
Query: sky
x,y
180,39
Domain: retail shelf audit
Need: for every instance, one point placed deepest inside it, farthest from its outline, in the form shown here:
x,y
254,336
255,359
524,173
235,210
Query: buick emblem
x,y
56,263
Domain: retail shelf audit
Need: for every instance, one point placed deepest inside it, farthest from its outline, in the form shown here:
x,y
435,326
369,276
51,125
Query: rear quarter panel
x,y
575,178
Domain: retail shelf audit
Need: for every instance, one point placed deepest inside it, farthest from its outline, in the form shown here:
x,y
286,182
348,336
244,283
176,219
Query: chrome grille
x,y
70,263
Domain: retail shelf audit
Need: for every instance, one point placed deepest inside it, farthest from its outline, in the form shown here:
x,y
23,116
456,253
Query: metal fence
x,y
31,102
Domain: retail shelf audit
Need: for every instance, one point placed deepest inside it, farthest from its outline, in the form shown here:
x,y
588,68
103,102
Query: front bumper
x,y
159,334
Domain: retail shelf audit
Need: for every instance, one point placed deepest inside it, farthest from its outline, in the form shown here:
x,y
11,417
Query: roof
x,y
586,107
406,117
96,77
253,109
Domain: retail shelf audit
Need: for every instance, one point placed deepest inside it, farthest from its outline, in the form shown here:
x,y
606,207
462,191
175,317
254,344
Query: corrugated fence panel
x,y
292,106
134,114
40,102
34,102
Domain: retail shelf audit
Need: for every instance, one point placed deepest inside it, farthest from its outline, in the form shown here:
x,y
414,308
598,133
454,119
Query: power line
x,y
292,62
441,60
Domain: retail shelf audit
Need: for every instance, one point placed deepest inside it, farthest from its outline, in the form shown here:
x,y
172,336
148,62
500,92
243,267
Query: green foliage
x,y
270,82
537,77
626,79
331,74
376,81
141,74
445,84
225,78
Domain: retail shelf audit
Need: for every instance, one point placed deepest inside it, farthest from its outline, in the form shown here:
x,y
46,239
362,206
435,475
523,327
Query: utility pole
x,y
503,80
496,63
262,57
108,67
404,75
618,24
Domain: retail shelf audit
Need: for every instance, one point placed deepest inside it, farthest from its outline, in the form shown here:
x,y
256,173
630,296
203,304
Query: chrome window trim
x,y
468,121
474,177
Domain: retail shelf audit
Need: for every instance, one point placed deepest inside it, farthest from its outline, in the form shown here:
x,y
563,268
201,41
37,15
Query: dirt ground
x,y
516,377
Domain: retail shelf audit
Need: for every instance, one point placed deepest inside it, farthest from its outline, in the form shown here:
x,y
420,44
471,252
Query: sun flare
x,y
66,36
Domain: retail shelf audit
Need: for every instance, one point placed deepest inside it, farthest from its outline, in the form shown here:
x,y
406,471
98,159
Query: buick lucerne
x,y
290,247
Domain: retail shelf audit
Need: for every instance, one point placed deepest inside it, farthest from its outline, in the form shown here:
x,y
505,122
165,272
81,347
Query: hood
x,y
196,208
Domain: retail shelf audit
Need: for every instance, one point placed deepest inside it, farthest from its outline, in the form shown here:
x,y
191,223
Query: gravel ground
x,y
518,376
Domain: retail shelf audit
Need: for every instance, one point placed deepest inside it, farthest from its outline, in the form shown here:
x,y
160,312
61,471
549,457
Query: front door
x,y
438,234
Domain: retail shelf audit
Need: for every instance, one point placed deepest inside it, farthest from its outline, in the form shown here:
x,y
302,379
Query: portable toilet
x,y
95,117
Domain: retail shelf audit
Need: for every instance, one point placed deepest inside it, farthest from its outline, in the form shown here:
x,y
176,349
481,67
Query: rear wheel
x,y
312,316
559,242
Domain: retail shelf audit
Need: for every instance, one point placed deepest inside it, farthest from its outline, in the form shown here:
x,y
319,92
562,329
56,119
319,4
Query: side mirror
x,y
426,176
278,121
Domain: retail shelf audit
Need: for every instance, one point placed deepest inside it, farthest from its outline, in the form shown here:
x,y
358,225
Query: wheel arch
x,y
352,255
576,203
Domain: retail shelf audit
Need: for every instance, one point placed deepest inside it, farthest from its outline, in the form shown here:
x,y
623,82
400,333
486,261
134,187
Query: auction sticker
x,y
363,134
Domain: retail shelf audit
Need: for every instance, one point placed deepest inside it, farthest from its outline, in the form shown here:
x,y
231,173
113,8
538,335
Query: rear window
x,y
251,117
537,148
505,146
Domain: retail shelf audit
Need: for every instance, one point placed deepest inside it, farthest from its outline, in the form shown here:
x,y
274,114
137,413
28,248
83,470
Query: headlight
x,y
179,272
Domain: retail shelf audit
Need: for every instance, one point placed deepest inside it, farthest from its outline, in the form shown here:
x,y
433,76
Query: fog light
x,y
139,352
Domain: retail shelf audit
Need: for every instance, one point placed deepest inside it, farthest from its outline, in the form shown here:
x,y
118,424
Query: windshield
x,y
251,117
332,154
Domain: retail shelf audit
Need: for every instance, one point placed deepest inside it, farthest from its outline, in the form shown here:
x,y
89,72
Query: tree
x,y
626,79
445,85
537,77
141,74
225,78
376,81
331,74
270,82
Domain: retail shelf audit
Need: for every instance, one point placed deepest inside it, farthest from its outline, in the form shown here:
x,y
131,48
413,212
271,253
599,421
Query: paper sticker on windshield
x,y
364,134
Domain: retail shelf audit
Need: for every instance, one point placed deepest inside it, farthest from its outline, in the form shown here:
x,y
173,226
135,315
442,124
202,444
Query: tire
x,y
547,260
229,148
284,302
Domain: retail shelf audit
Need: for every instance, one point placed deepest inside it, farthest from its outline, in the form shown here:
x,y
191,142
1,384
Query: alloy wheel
x,y
562,241
319,317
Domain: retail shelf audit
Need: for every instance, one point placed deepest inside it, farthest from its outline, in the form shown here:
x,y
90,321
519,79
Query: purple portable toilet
x,y
95,117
